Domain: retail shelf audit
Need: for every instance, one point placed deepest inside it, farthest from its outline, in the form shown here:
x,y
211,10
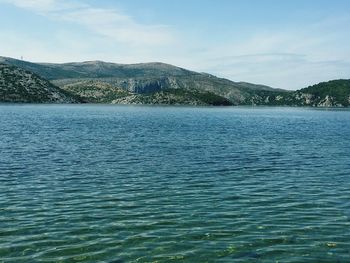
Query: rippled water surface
x,y
170,184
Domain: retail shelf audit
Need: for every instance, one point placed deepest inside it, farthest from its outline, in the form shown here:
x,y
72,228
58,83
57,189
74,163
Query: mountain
x,y
18,85
151,80
96,69
159,83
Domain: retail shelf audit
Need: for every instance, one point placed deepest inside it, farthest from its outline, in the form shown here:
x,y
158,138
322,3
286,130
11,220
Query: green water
x,y
172,184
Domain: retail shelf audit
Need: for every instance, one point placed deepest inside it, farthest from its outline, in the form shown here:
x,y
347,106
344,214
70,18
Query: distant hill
x,y
144,78
335,93
97,69
18,85
331,93
159,83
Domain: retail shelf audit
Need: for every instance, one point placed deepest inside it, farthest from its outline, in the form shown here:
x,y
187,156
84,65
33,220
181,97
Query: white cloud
x,y
40,6
109,23
118,26
284,57
34,49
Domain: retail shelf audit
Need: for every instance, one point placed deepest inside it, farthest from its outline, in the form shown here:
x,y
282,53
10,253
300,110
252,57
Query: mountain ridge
x,y
161,83
141,78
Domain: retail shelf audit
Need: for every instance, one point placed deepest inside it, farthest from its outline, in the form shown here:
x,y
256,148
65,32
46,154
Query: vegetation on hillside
x,y
144,78
154,83
338,90
18,85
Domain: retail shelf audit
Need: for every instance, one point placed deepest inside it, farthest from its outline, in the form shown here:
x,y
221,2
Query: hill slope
x,y
144,78
331,93
335,93
159,83
96,91
18,85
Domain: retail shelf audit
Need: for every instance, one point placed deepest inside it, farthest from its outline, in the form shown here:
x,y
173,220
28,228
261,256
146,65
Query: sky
x,y
287,44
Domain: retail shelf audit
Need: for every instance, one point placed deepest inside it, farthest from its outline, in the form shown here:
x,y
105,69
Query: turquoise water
x,y
115,184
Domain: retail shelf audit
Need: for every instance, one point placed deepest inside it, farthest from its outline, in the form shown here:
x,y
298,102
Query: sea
x,y
115,184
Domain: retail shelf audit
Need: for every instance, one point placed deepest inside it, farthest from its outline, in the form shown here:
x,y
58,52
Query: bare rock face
x,y
308,98
326,102
17,85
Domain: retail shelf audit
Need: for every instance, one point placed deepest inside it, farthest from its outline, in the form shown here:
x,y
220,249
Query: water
x,y
164,184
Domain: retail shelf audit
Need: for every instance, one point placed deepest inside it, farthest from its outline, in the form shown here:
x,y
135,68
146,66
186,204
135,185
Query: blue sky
x,y
284,44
